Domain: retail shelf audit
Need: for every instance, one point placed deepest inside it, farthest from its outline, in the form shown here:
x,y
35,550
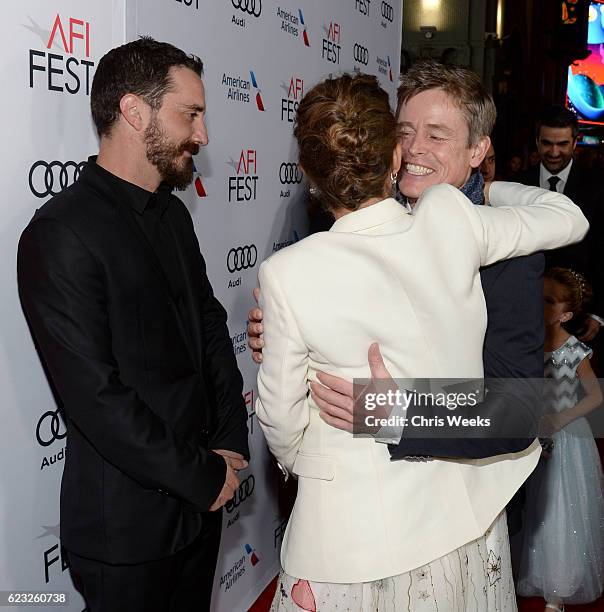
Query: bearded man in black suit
x,y
115,291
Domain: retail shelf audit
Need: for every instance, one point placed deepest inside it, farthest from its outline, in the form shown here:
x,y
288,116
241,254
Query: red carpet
x,y
533,604
263,603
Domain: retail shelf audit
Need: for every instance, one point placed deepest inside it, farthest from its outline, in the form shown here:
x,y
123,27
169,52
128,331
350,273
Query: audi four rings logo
x,y
50,428
50,178
361,54
242,258
289,173
251,7
245,490
387,12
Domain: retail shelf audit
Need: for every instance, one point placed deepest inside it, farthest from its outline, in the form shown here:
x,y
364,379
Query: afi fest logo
x,y
55,560
65,64
295,92
331,44
190,3
243,184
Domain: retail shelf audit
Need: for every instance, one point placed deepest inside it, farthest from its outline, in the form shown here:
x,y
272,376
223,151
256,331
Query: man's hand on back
x,y
335,396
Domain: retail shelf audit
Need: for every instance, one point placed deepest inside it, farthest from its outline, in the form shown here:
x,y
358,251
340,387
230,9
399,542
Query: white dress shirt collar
x,y
544,175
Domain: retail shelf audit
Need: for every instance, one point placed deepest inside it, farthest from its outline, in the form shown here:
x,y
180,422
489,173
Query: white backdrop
x,y
248,200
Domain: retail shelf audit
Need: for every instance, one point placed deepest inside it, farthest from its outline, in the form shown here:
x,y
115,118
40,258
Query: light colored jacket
x,y
411,283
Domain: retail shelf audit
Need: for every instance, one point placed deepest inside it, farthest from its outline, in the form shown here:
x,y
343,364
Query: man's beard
x,y
175,170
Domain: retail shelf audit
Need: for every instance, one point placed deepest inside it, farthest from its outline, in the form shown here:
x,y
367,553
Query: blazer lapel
x,y
573,183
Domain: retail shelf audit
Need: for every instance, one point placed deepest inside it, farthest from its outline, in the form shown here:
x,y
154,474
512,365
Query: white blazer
x,y
411,283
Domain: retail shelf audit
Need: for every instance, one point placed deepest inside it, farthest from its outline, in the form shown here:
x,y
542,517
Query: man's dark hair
x,y
140,67
557,117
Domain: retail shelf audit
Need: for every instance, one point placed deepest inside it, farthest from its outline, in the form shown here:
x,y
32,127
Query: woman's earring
x,y
393,177
313,191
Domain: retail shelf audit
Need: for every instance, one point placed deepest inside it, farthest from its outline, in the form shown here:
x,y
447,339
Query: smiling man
x,y
437,142
136,346
445,116
556,132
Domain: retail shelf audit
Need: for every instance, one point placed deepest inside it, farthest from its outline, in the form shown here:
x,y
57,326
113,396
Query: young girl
x,y
563,548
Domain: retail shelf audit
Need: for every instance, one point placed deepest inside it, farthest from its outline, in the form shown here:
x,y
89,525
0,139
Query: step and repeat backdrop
x,y
248,200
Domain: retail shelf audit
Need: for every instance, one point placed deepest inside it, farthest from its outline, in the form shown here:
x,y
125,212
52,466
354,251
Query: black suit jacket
x,y
147,388
585,190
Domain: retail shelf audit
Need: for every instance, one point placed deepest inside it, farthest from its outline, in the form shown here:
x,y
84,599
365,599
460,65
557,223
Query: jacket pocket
x,y
314,466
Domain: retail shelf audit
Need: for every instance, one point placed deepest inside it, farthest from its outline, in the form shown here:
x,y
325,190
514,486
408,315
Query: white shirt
x,y
545,174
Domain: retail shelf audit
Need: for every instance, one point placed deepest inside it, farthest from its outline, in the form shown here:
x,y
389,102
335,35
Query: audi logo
x,y
50,178
50,428
387,12
245,490
251,7
290,174
361,54
242,258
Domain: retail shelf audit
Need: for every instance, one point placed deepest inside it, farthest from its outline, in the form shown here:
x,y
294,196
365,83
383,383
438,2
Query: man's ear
x,y
566,316
131,108
397,157
479,151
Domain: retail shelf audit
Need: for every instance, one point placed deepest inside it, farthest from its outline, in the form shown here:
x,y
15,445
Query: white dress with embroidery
x,y
476,577
562,555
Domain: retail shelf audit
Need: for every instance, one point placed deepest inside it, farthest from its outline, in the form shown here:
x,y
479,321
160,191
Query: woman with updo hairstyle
x,y
367,533
346,135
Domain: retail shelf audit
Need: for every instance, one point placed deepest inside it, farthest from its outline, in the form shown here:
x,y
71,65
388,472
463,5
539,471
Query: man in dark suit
x,y
135,344
556,132
434,151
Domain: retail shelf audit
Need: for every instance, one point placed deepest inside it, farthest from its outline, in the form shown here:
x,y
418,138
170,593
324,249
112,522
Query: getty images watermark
x,y
460,408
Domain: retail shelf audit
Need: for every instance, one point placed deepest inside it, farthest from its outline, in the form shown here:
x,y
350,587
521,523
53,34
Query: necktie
x,y
553,181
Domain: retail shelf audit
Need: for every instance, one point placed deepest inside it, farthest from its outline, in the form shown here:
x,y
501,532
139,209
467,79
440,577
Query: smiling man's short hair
x,y
462,85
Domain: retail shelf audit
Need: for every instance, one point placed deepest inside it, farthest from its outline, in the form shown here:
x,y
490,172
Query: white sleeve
x,y
522,220
281,407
